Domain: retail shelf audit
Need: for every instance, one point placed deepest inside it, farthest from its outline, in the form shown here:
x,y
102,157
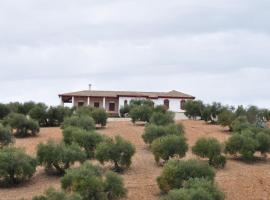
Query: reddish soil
x,y
239,180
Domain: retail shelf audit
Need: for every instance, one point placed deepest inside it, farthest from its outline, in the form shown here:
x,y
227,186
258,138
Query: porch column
x,y
61,101
73,101
104,103
88,101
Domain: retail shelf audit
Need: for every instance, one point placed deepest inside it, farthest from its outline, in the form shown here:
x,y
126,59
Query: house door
x,y
111,106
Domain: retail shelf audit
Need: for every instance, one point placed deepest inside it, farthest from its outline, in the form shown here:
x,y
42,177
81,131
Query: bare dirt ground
x,y
239,180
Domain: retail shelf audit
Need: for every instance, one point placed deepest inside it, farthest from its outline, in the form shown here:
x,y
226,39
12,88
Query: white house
x,y
112,101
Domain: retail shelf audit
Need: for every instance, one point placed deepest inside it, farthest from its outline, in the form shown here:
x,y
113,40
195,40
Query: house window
x,y
96,104
80,104
111,106
125,103
167,103
182,104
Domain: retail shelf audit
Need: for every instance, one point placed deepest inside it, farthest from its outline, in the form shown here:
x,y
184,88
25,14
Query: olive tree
x,y
39,113
58,157
210,148
117,151
92,183
100,116
4,111
169,146
176,172
162,119
226,118
52,194
151,131
193,109
15,166
83,121
6,136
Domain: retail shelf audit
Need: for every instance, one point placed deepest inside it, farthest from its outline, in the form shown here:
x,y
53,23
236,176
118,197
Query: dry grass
x,y
239,181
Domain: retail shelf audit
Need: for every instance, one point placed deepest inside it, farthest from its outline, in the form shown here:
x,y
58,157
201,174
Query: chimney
x,y
90,87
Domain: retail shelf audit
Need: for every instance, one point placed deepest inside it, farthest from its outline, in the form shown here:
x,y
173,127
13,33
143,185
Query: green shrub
x,y
83,122
160,118
152,132
226,118
15,166
176,172
263,140
117,151
6,136
169,146
58,157
39,113
4,111
100,116
56,115
140,113
196,189
240,124
209,148
91,183
52,194
22,125
85,139
193,109
124,110
244,144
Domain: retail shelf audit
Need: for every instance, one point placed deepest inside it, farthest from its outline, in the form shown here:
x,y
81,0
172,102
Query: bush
x,y
83,122
39,113
4,111
100,116
52,194
196,189
140,113
176,172
89,181
124,110
209,148
193,109
263,140
169,146
240,124
244,144
15,166
58,157
160,118
117,151
23,126
86,139
152,132
56,115
226,118
6,136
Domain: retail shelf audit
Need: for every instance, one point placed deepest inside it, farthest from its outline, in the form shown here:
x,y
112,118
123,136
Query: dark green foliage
x,y
152,131
263,140
161,118
141,113
6,136
4,111
169,146
118,151
176,172
39,113
210,148
196,189
240,111
193,109
26,107
15,166
22,125
59,157
100,116
56,115
52,194
252,114
91,183
86,139
240,124
83,122
226,118
124,110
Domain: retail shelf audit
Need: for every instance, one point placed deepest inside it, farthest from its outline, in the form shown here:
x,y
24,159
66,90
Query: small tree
x,y
263,140
117,151
193,109
91,183
152,131
15,166
124,110
39,113
169,146
56,115
85,139
6,137
209,148
52,194
195,189
100,116
22,125
226,118
4,111
176,172
160,118
140,113
84,122
59,157
240,124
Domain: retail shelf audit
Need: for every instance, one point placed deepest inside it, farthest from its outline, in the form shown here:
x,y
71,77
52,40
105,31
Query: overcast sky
x,y
214,50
